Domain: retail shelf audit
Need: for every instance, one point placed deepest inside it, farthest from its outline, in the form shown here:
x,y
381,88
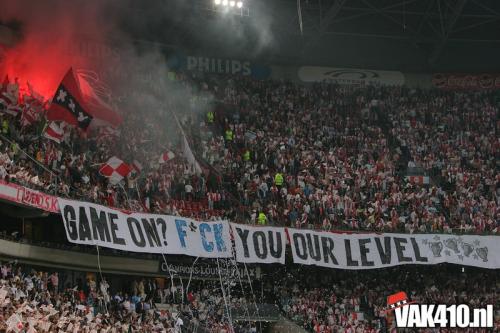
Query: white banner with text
x,y
366,251
93,224
259,244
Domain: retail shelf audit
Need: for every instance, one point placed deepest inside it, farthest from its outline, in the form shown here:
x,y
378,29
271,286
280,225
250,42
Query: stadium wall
x,y
50,257
286,326
99,53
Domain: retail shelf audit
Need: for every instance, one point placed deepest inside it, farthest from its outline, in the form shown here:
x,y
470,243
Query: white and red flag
x,y
421,180
14,323
137,166
107,134
54,132
4,99
166,156
32,110
115,170
9,97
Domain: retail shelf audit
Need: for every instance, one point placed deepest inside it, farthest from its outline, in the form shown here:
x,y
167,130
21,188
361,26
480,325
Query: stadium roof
x,y
414,35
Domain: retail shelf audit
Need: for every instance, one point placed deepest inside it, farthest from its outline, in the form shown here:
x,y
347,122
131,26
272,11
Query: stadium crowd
x,y
36,301
347,302
455,137
321,156
357,301
71,168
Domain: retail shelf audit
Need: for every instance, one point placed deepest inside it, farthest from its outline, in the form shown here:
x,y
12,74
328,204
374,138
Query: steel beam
x,y
330,15
450,24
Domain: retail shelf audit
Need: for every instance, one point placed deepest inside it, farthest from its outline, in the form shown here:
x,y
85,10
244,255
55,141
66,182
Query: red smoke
x,y
51,34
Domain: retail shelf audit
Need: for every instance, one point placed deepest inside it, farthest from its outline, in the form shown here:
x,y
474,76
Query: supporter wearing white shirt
x,y
3,172
178,325
126,305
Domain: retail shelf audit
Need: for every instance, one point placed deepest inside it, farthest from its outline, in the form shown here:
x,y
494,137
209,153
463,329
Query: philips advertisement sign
x,y
223,66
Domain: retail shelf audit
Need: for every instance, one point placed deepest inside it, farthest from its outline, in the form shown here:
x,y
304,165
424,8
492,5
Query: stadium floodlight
x,y
229,7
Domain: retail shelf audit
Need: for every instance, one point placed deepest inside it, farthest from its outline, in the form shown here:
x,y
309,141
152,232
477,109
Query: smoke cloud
x,y
49,32
54,35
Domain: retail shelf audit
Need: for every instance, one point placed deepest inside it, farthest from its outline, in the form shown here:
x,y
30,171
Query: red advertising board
x,y
478,81
28,197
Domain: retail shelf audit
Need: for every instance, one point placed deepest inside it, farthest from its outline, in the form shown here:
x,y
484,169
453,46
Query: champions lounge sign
x,y
92,224
211,271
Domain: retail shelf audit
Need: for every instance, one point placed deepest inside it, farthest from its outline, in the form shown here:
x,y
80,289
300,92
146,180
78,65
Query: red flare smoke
x,y
51,31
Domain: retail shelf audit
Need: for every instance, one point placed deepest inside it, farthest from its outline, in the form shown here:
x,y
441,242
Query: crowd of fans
x,y
36,301
321,156
348,302
331,156
357,301
71,168
455,137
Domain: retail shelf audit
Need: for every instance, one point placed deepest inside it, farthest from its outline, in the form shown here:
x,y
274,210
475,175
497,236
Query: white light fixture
x,y
232,3
224,2
217,2
239,4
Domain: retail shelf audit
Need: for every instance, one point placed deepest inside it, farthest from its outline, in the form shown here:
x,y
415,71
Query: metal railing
x,y
54,178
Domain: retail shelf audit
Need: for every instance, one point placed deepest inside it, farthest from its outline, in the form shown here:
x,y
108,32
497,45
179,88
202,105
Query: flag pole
x,y
126,195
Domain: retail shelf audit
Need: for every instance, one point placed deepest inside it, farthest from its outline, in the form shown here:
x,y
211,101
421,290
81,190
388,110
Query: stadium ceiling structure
x,y
407,35
428,23
433,29
414,35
